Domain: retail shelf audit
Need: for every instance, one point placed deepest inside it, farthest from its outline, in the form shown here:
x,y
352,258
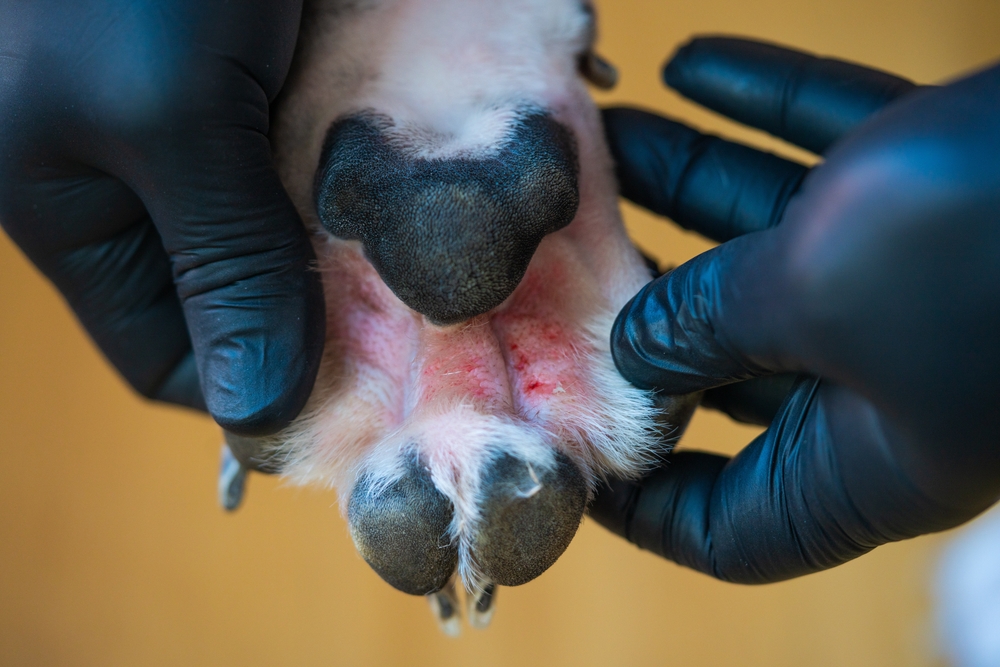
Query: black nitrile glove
x,y
135,172
880,289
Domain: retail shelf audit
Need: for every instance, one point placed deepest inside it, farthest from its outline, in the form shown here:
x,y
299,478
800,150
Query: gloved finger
x,y
796,96
120,286
717,188
712,321
123,293
647,512
754,401
244,271
818,488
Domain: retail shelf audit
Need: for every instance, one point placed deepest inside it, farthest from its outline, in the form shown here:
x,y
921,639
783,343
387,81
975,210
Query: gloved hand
x,y
135,172
874,278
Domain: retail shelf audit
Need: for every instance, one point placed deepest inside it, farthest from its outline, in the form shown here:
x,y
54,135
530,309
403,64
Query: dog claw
x,y
598,71
232,480
444,606
481,606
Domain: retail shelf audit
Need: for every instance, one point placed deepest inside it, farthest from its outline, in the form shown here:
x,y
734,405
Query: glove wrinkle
x,y
666,337
763,510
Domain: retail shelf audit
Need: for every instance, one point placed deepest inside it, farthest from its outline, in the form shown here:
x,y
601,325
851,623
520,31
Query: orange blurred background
x,y
113,550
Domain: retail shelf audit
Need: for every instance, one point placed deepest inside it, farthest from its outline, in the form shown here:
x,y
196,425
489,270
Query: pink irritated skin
x,y
540,334
463,363
530,378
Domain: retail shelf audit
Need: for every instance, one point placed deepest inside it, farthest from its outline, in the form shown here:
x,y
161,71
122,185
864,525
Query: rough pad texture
x,y
401,530
452,237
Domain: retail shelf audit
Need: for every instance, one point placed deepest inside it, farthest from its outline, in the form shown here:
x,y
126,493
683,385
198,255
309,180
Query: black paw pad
x,y
402,531
451,238
529,517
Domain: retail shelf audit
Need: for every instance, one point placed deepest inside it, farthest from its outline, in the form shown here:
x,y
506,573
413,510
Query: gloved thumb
x,y
711,321
243,267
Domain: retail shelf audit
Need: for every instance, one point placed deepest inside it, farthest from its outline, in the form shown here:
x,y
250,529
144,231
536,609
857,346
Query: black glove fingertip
x,y
259,361
796,96
627,334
